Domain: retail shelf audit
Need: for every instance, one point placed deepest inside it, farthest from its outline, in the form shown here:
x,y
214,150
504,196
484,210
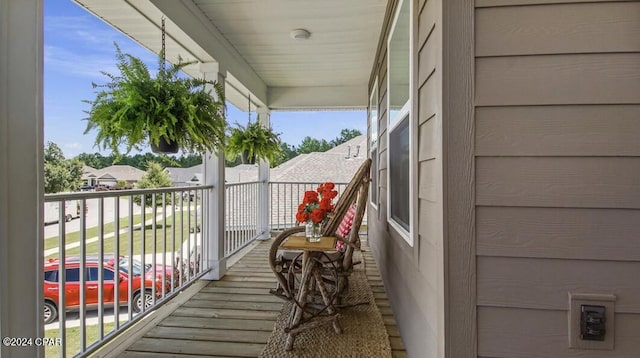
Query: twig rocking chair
x,y
335,266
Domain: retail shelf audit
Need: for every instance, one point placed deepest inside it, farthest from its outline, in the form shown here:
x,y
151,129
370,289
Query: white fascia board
x,y
189,18
329,97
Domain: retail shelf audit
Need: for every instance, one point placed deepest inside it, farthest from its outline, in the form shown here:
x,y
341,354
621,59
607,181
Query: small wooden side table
x,y
311,271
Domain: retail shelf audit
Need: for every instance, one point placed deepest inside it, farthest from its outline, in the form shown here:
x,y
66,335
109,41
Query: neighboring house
x,y
241,173
185,176
337,165
193,175
111,175
88,175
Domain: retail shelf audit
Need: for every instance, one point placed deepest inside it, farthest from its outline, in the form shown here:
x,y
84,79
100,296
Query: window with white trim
x,y
373,143
399,130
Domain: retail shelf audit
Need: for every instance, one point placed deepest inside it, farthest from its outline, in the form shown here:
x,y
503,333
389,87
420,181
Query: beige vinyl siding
x,y
611,234
557,171
502,334
572,182
577,130
558,79
491,3
413,275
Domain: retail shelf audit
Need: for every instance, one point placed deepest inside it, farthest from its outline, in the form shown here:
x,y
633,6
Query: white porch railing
x,y
109,235
242,215
89,260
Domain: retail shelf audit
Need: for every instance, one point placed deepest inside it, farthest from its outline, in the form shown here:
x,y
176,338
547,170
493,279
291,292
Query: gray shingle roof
x,y
120,172
337,164
184,175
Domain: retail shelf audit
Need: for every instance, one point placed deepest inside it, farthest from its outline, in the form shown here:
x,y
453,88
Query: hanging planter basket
x,y
188,113
248,160
165,147
262,143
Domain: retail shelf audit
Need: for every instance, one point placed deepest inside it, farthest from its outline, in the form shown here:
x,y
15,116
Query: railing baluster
x,y
196,232
260,199
62,300
153,249
189,237
130,260
100,268
232,228
164,243
232,220
181,264
116,261
241,218
278,204
173,241
83,278
143,235
204,232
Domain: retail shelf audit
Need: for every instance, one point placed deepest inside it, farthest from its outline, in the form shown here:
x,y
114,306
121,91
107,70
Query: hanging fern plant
x,y
135,108
253,142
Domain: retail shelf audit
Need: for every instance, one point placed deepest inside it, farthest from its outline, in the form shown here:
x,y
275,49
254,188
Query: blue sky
x,y
78,46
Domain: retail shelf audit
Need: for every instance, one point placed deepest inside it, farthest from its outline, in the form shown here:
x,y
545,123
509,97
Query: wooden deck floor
x,y
234,317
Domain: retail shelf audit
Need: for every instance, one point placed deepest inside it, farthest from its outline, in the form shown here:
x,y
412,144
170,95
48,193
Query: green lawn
x,y
73,339
181,234
52,241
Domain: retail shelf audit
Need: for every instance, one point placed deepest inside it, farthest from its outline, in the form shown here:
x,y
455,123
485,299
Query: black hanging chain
x,y
163,52
249,110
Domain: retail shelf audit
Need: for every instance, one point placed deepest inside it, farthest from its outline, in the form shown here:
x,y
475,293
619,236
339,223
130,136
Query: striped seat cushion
x,y
344,229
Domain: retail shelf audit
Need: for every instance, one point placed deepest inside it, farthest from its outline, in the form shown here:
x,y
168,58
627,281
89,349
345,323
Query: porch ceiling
x,y
250,39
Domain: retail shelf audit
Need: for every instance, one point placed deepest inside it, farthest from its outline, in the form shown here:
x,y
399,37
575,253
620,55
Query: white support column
x,y
21,174
213,174
264,118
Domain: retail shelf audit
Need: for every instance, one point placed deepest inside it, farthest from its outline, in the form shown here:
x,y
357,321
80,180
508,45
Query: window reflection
x,y
399,72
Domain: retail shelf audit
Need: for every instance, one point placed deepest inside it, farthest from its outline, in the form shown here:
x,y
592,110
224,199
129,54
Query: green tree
x,y
95,160
60,174
229,162
155,177
98,161
345,135
189,160
309,145
287,152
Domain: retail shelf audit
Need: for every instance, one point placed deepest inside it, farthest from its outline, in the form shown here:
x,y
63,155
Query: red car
x,y
72,284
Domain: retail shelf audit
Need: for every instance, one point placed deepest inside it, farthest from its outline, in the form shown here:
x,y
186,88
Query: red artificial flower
x,y
325,204
302,217
317,215
310,197
316,204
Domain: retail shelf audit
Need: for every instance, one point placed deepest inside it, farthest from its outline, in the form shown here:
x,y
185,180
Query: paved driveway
x,y
92,216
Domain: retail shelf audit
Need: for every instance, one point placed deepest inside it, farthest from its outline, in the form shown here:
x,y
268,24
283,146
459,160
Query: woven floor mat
x,y
363,330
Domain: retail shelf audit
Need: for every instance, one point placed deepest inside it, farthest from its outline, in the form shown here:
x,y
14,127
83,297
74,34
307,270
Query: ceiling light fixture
x,y
300,34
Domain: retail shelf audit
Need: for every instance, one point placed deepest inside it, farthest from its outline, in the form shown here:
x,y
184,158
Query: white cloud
x,y
85,64
89,64
73,145
83,46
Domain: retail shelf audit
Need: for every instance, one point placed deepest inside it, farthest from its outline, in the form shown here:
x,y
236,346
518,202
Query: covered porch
x,y
232,317
252,48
